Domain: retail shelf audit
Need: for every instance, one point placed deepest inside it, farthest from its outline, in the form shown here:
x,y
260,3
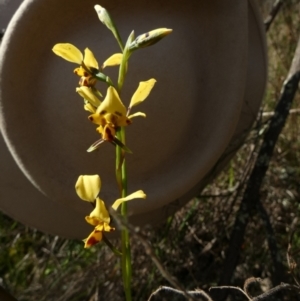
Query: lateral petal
x,y
142,92
68,52
136,195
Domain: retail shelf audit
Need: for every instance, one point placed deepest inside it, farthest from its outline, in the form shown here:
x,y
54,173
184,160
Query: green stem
x,y
121,173
119,167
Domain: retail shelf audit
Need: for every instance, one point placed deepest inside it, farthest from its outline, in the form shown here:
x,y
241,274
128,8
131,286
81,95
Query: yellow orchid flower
x,y
88,63
100,219
111,111
112,114
87,188
86,69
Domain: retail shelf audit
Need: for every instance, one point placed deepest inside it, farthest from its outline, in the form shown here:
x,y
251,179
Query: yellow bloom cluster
x,y
111,113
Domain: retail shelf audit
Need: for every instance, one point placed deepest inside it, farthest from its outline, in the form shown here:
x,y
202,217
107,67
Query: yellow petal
x,y
113,104
88,187
105,227
68,52
142,92
80,71
89,59
88,95
93,238
108,133
136,195
99,215
97,119
136,115
100,129
113,60
88,107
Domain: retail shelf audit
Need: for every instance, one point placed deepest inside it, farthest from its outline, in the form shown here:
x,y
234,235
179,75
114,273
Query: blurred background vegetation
x,y
192,243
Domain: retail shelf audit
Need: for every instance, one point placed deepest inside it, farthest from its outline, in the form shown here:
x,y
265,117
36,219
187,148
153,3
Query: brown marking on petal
x,y
83,81
102,112
91,118
85,74
91,80
128,121
109,134
92,241
76,72
118,113
147,35
114,119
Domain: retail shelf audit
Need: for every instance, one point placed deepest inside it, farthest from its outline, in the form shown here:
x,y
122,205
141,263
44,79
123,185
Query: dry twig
x,y
251,195
196,293
263,296
273,13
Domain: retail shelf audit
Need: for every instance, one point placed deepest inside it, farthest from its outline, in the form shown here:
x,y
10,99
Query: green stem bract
x,y
118,38
124,64
122,73
104,78
97,74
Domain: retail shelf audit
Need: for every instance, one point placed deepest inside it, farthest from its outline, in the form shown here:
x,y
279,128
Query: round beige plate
x,y
191,114
7,9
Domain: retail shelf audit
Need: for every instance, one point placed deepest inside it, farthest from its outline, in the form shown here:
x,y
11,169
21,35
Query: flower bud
x,y
149,38
104,16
